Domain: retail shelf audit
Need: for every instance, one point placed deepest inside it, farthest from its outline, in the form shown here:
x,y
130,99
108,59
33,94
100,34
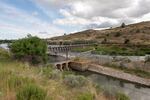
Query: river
x,y
134,91
4,46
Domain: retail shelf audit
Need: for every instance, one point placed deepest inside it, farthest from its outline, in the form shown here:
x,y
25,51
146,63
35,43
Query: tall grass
x,y
31,92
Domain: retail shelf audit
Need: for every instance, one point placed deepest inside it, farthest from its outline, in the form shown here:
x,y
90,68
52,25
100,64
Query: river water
x,y
134,91
4,46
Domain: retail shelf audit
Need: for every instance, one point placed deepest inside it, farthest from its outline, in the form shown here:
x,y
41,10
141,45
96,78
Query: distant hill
x,y
138,33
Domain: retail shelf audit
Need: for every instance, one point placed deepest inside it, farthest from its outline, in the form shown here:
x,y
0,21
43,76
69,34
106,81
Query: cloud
x,y
141,8
83,12
14,21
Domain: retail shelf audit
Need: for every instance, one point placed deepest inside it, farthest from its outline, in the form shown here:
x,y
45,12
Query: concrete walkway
x,y
118,74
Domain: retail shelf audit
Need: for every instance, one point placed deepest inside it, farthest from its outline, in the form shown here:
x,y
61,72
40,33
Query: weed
x,y
31,92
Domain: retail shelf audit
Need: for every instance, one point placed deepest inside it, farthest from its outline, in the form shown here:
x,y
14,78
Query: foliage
x,y
47,71
122,50
75,81
126,41
85,96
4,54
84,49
121,96
109,91
98,88
31,92
123,25
83,42
104,41
16,82
117,34
66,73
56,74
6,41
31,49
77,59
147,58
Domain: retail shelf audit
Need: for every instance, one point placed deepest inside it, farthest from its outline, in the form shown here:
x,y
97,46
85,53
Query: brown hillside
x,y
138,33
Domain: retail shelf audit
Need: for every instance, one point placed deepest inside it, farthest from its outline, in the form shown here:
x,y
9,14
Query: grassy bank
x,y
122,50
84,49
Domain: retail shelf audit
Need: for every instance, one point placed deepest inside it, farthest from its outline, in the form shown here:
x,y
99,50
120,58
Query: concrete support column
x,y
66,54
67,67
61,69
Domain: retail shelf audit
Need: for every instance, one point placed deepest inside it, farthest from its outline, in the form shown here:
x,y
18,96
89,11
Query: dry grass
x,y
137,34
23,72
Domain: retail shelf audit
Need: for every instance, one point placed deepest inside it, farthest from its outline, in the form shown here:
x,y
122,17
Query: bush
x,y
110,91
31,92
85,96
56,74
31,49
4,54
123,25
121,96
47,71
126,41
147,58
66,73
117,34
75,81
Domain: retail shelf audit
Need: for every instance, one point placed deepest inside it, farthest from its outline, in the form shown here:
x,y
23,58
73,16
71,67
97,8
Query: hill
x,y
138,33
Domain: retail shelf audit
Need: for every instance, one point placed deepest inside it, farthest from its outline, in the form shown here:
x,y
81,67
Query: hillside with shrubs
x,y
138,33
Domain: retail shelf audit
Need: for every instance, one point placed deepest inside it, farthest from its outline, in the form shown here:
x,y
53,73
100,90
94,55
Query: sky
x,y
49,18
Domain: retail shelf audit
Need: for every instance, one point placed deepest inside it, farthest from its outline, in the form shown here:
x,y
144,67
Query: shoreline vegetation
x,y
116,50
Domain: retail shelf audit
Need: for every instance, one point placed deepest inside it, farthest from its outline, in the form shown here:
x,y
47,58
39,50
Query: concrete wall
x,y
133,62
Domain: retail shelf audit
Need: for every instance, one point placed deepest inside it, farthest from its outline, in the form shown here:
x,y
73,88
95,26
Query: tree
x,y
123,25
126,41
31,49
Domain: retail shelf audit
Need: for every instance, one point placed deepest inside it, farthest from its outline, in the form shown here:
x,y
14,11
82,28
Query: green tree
x,y
31,49
123,25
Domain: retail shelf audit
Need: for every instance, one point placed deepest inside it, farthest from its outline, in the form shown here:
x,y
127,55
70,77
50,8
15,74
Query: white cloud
x,y
88,12
19,21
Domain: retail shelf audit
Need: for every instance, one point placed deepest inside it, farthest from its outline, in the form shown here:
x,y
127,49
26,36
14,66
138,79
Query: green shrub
x,y
77,58
147,58
66,73
56,74
4,54
84,49
121,96
31,49
109,91
98,88
47,71
123,25
126,41
75,81
31,92
85,96
117,34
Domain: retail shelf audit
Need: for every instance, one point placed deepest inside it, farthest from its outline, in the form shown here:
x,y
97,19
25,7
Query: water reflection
x,y
134,91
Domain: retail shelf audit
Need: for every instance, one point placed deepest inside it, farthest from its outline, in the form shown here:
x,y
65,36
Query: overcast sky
x,y
47,18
